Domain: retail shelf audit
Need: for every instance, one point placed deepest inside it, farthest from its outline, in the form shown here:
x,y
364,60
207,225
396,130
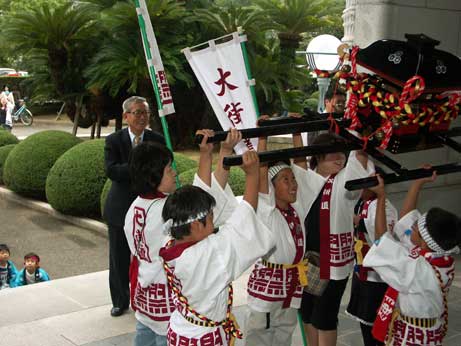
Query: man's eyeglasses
x,y
138,112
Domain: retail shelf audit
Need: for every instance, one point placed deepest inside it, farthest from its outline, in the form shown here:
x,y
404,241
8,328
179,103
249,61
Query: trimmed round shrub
x,y
4,152
184,163
236,179
28,164
7,138
76,180
104,193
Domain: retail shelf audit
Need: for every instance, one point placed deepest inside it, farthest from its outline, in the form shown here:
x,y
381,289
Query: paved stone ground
x,y
65,250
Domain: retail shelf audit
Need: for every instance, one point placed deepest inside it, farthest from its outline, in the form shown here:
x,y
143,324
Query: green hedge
x,y
7,138
236,179
4,152
184,163
28,164
104,193
75,182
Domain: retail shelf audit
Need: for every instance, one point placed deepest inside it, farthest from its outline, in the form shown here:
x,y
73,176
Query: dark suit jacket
x,y
116,152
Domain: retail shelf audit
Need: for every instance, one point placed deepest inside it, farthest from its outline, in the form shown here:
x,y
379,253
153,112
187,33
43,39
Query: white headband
x,y
431,243
169,224
274,170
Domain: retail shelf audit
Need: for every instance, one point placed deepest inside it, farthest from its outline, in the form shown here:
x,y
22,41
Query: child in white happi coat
x,y
329,232
201,264
153,178
275,284
419,269
368,288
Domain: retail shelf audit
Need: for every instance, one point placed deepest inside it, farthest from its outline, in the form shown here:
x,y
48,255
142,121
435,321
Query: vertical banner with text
x,y
220,69
154,60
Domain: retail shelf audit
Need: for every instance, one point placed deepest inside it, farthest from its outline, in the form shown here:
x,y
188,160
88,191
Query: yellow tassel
x,y
358,251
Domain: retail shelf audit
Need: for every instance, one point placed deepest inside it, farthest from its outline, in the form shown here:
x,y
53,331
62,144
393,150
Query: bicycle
x,y
23,114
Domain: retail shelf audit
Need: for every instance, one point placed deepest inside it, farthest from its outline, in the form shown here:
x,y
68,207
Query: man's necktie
x,y
136,140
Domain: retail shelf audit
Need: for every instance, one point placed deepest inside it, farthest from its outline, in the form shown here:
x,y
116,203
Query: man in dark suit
x,y
116,152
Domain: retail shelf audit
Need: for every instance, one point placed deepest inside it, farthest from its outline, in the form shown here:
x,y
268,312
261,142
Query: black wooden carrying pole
x,y
393,178
287,126
373,152
284,154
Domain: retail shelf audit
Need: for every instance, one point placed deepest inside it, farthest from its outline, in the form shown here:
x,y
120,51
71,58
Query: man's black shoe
x,y
116,311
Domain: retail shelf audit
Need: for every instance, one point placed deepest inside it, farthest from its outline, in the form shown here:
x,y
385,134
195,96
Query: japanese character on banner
x,y
233,113
164,88
223,83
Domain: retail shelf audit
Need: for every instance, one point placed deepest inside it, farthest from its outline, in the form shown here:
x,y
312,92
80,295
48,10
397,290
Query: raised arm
x,y
206,156
227,147
380,218
251,168
413,193
362,157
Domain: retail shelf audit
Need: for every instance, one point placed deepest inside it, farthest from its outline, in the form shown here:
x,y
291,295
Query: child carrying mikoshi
x,y
329,232
153,179
201,264
275,284
416,262
368,288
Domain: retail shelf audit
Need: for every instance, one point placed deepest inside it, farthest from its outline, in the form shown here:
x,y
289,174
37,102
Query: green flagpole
x,y
153,74
248,71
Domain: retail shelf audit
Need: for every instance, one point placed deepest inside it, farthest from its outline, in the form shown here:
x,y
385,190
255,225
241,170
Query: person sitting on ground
x,y
8,271
31,273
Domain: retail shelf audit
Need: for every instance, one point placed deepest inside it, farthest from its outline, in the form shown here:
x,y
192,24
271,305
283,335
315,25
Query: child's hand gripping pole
x,y
206,156
227,147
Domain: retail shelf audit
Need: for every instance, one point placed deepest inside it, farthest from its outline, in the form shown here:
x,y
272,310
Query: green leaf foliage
x,y
75,182
236,179
184,163
7,137
30,161
4,152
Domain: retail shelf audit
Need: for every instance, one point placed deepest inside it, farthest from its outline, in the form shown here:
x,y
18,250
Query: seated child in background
x,y
8,271
419,269
200,264
31,273
368,288
153,179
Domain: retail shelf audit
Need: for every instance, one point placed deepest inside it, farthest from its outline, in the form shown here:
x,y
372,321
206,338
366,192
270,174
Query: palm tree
x,y
293,18
63,38
119,66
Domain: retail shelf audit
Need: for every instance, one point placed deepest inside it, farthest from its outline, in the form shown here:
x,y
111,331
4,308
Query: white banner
x,y
154,61
220,69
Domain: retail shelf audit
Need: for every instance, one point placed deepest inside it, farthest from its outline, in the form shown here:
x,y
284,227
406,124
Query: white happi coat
x,y
267,288
145,236
369,219
341,244
401,266
206,268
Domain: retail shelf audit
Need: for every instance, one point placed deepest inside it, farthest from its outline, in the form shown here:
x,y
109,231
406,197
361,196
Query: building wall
x,y
366,21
